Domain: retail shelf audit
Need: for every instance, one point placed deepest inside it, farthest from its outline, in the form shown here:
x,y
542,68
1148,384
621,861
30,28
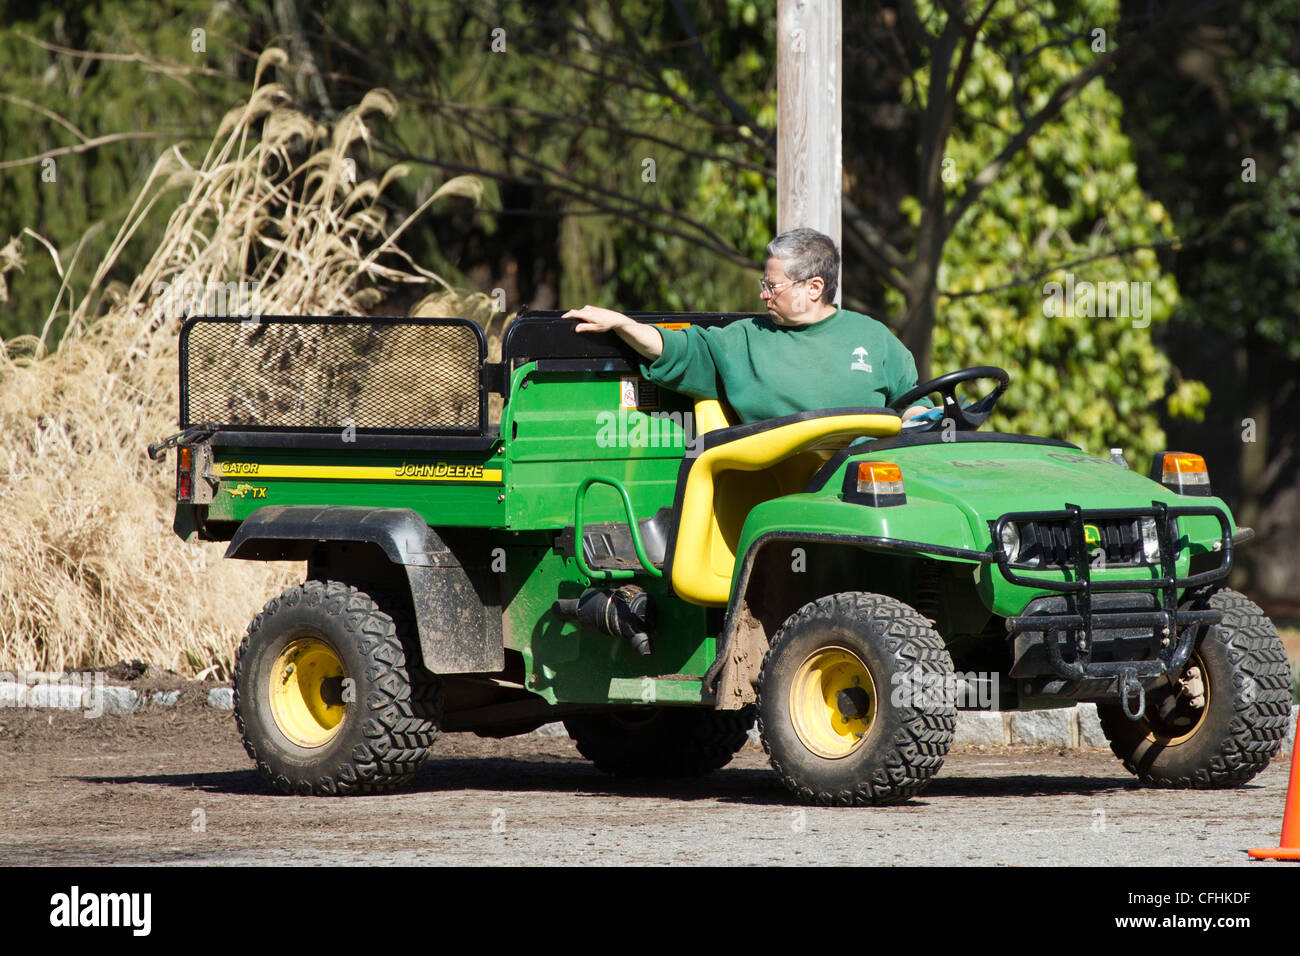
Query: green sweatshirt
x,y
764,370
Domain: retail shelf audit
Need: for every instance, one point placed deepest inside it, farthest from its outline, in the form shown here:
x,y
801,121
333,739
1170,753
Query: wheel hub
x,y
307,685
1182,707
832,702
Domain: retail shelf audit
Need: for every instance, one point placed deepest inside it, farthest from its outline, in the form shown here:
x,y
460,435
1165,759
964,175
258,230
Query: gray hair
x,y
808,253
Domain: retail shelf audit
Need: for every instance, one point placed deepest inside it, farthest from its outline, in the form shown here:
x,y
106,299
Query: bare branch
x,y
48,113
723,251
1062,95
968,48
617,75
737,111
589,188
875,247
89,145
1177,244
170,68
588,122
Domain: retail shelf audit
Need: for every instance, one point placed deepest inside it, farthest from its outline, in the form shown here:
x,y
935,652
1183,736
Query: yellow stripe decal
x,y
406,471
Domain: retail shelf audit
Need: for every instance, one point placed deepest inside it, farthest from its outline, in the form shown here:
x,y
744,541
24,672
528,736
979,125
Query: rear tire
x,y
325,700
1239,728
672,742
855,702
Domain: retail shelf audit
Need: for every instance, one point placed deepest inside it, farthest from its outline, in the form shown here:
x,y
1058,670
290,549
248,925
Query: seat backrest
x,y
741,466
711,416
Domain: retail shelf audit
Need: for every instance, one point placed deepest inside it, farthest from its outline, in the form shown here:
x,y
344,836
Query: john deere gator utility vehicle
x,y
634,563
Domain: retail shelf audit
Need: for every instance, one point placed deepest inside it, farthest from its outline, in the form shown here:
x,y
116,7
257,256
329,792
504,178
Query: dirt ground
x,y
174,786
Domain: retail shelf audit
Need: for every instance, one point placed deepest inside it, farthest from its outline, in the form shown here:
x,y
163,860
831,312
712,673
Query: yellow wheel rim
x,y
307,699
832,702
1169,738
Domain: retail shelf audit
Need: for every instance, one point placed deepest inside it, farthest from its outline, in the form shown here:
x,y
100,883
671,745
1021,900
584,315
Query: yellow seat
x,y
733,474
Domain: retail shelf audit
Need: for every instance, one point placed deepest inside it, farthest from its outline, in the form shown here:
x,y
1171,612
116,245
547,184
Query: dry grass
x,y
90,572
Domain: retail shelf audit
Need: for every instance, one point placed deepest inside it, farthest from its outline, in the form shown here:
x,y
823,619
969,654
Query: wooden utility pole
x,y
809,162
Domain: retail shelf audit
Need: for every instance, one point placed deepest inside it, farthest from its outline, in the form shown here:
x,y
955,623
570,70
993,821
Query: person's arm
x,y
906,381
646,339
679,359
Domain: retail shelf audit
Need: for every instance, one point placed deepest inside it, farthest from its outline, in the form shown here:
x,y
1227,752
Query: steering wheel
x,y
974,414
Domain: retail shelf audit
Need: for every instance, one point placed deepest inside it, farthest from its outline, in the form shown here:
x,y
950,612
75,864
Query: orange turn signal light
x,y
1184,463
1181,472
879,471
876,483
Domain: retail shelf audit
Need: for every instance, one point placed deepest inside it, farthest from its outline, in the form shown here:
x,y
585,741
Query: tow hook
x,y
1129,683
192,434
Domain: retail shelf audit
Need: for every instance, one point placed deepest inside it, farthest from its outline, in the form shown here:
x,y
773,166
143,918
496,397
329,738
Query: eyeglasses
x,y
765,285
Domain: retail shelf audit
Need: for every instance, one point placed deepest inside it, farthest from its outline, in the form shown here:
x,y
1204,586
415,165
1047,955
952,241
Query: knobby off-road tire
x,y
1247,705
671,742
325,700
855,702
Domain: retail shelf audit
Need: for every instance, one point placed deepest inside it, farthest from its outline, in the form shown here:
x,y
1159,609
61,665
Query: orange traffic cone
x,y
1289,848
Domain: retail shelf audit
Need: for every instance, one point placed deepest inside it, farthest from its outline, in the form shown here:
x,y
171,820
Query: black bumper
x,y
1151,635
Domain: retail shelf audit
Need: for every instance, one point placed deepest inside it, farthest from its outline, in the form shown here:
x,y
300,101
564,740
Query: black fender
x,y
457,604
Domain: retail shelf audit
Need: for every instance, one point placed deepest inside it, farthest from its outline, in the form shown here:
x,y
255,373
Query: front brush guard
x,y
1170,655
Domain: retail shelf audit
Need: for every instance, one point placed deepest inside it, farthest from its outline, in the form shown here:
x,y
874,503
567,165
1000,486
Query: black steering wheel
x,y
973,415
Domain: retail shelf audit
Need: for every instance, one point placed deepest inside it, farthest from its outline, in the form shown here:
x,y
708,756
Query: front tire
x,y
325,699
855,702
1240,679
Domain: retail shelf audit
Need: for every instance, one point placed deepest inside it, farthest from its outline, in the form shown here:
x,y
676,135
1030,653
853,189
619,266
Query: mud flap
x,y
460,628
457,608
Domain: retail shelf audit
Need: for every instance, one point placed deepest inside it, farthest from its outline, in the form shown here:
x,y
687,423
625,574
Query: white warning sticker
x,y
637,392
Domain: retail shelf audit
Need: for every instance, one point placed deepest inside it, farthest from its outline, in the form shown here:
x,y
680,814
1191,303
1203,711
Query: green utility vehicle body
x,y
363,448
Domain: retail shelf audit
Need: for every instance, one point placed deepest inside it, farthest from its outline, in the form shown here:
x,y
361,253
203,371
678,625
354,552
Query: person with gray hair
x,y
808,254
806,354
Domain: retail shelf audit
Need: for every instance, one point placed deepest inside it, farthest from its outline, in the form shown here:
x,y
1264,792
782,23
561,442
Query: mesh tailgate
x,y
290,373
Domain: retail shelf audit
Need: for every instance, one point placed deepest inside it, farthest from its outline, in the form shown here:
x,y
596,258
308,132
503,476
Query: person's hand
x,y
646,339
596,319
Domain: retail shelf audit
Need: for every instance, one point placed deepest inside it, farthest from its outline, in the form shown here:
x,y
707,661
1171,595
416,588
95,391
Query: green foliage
x,y
1248,288
564,116
1071,196
50,100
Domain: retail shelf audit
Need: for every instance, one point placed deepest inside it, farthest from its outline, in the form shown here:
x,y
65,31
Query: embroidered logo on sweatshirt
x,y
860,360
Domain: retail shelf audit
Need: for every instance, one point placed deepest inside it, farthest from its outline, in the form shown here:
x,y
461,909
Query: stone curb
x,y
95,701
1070,727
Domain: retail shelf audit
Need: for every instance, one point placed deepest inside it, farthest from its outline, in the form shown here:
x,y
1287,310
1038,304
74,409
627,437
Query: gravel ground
x,y
173,786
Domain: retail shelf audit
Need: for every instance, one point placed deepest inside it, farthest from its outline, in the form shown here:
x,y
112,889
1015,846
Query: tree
x,y
1215,115
91,95
631,150
1029,230
629,143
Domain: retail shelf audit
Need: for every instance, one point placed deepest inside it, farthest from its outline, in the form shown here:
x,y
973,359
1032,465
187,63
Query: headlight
x,y
1011,541
1150,540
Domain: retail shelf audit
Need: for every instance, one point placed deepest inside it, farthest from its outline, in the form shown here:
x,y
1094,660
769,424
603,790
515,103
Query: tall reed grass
x,y
90,571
